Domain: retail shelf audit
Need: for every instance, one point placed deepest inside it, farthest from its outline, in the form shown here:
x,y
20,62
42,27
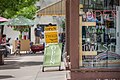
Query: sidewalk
x,y
29,67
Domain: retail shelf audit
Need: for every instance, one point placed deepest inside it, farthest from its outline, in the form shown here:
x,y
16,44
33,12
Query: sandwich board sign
x,y
51,37
51,34
52,56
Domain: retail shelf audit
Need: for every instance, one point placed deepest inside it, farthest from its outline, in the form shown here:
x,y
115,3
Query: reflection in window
x,y
99,41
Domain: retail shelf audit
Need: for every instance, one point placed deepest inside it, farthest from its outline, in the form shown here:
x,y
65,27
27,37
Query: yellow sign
x,y
51,28
51,37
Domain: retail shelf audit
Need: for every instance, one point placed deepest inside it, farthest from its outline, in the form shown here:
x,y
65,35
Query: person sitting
x,y
3,44
3,39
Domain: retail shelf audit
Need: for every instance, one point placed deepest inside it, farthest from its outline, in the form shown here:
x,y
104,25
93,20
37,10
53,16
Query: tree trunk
x,y
20,36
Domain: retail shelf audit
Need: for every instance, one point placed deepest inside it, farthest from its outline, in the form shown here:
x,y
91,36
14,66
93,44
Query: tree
x,y
28,12
21,30
12,8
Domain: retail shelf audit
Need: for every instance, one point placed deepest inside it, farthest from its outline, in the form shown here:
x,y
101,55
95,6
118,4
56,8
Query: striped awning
x,y
57,8
54,9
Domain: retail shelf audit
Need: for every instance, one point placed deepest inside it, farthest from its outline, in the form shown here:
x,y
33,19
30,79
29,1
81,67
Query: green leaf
x,y
11,8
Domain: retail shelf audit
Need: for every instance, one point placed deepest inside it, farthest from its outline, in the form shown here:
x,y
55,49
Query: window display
x,y
99,43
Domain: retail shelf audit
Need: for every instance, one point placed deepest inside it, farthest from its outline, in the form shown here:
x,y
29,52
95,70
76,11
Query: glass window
x,y
99,41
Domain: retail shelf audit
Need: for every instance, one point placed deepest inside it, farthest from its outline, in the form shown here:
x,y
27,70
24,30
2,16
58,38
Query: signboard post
x,y
52,56
118,30
52,53
51,37
51,34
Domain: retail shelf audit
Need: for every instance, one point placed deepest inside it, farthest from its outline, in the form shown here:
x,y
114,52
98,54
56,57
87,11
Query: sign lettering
x,y
51,37
51,34
52,60
51,28
52,55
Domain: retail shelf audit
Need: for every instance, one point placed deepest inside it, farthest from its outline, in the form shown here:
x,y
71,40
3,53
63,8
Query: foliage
x,y
14,8
28,12
21,29
11,8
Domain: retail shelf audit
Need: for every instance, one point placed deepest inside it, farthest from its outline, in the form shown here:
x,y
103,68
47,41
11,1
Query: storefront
x,y
90,38
92,52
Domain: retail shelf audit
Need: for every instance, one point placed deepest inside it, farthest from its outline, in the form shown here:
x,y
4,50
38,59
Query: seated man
x,y
3,44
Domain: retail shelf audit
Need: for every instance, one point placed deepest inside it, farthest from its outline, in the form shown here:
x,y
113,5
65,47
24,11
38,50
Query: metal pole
x,y
118,30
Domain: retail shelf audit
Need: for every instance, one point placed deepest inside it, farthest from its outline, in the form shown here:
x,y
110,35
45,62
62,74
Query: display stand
x,y
52,51
52,56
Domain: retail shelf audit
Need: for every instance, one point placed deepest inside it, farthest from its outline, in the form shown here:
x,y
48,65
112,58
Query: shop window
x,y
99,45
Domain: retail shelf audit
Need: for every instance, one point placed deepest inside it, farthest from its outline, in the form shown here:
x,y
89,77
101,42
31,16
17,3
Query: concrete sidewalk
x,y
29,67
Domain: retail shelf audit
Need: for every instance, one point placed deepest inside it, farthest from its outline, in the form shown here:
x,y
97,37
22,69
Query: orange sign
x,y
51,37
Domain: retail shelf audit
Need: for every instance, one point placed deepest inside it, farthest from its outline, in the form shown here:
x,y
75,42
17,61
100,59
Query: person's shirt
x,y
37,32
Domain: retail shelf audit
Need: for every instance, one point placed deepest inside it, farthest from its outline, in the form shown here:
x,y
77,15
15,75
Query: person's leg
x,y
5,55
35,40
38,40
19,52
5,51
8,49
15,53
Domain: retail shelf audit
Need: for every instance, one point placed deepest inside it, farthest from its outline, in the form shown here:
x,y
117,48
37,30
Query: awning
x,y
57,8
19,21
3,19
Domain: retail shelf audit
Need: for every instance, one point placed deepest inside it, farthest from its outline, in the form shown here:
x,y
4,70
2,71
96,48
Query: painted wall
x,y
10,33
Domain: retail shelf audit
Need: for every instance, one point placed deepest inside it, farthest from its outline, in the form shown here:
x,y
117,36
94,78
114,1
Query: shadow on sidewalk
x,y
16,62
5,76
23,64
28,54
18,65
10,65
56,70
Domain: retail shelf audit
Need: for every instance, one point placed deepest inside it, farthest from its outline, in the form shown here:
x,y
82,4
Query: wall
x,y
10,33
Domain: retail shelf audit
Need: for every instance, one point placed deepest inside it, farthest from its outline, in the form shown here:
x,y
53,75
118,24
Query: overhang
x,y
54,9
57,8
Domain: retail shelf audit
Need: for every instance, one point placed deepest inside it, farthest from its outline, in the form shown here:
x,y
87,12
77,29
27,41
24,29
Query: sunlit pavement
x,y
29,67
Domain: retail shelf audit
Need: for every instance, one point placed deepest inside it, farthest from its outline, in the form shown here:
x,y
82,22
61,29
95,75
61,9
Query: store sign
x,y
107,14
52,55
51,37
98,47
51,34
